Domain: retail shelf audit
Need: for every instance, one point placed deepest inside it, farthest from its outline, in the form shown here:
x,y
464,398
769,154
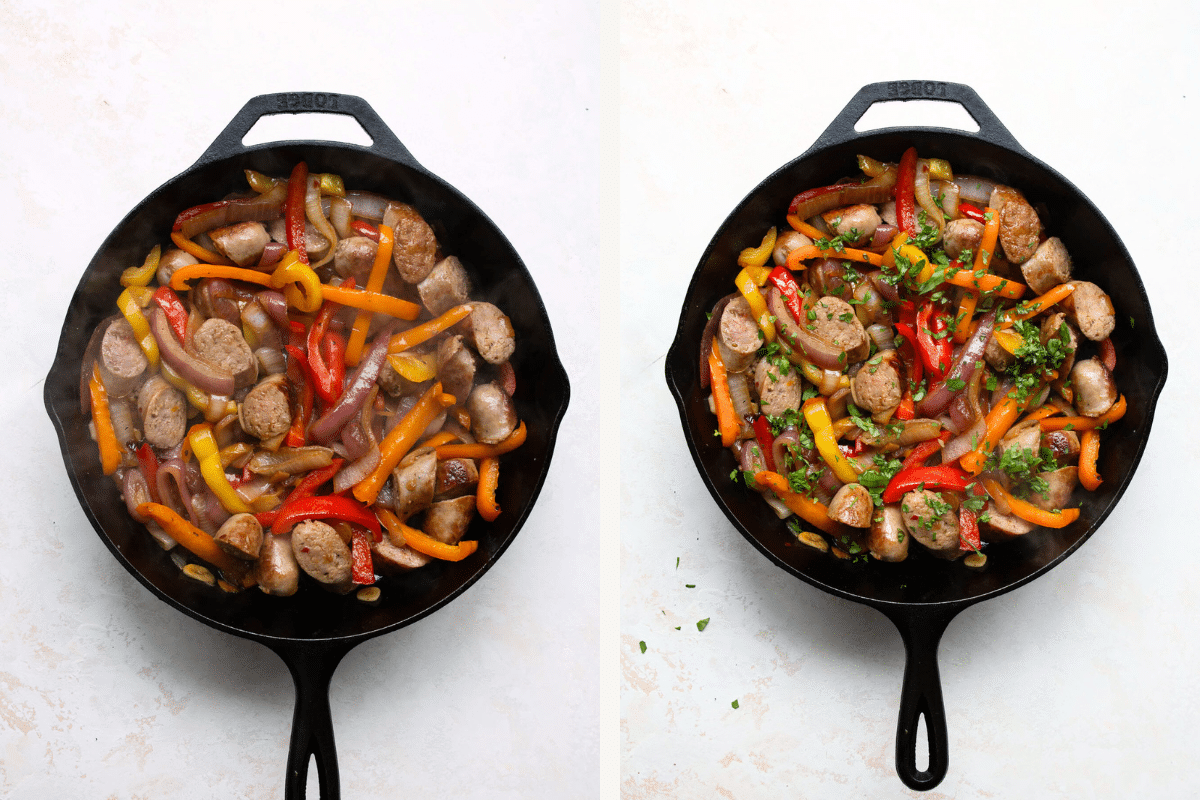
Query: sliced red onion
x,y
368,205
965,442
948,192
215,297
290,460
272,253
883,236
358,388
824,355
959,415
136,491
969,360
259,208
200,374
706,338
339,217
817,201
210,514
354,472
275,305
122,420
887,290
316,215
739,393
270,361
778,506
788,438
974,189
883,336
173,489
933,214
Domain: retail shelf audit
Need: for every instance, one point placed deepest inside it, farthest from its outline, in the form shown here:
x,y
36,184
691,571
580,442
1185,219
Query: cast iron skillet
x,y
313,630
922,595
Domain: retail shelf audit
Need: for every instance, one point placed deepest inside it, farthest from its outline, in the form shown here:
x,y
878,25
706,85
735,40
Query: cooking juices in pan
x,y
917,364
301,384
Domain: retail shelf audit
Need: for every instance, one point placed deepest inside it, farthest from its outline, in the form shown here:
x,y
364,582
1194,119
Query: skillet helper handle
x,y
312,664
921,695
229,141
991,129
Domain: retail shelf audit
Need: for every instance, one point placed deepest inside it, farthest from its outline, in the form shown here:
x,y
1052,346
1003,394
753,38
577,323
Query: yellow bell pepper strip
x,y
130,303
259,182
300,284
757,256
331,184
204,447
293,212
1035,306
482,451
400,440
758,304
372,301
417,369
106,437
872,167
141,276
986,283
800,226
485,490
916,255
939,169
195,540
1086,423
424,543
1028,511
727,421
362,322
202,253
1008,339
811,511
809,251
427,330
816,413
998,421
1089,452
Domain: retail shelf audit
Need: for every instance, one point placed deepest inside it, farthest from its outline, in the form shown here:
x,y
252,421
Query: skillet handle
x,y
312,664
991,129
229,141
921,629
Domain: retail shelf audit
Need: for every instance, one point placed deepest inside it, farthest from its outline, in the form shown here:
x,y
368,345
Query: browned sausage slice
x,y
1095,389
446,286
353,257
415,245
322,554
738,335
456,476
778,387
220,343
242,243
1019,228
1049,266
276,569
1091,309
241,536
876,387
493,416
390,558
852,506
447,520
455,366
887,539
265,412
123,364
961,235
1060,484
164,417
859,221
416,481
490,331
931,521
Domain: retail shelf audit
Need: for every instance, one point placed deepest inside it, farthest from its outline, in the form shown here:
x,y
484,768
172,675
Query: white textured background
x,y
105,692
1082,684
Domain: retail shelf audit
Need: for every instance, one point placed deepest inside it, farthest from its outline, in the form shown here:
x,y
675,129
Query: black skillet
x,y
313,630
922,595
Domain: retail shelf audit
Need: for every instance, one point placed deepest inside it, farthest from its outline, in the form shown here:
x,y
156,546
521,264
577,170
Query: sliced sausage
x,y
242,243
931,521
447,520
876,387
852,506
1001,195
416,480
1026,435
172,260
315,244
276,570
997,527
445,287
265,412
389,558
1060,484
738,335
415,247
859,221
887,540
490,332
1049,266
241,536
322,554
785,243
222,345
123,364
962,235
1095,389
353,257
455,366
1064,445
164,415
778,386
1091,310
1019,229
493,416
836,323
996,356
456,476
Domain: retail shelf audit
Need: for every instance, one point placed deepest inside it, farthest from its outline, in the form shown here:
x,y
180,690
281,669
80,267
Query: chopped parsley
x,y
702,624
876,479
642,645
734,704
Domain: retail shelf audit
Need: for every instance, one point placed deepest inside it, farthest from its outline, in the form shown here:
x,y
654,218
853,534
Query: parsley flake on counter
x,y
702,624
690,585
734,704
642,645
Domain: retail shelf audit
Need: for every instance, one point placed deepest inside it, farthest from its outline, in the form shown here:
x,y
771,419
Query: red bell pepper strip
x,y
971,212
330,506
785,282
762,432
294,211
937,350
149,464
944,476
362,571
306,487
968,530
297,334
363,228
297,435
906,188
923,451
173,308
1108,354
907,409
327,378
908,313
196,211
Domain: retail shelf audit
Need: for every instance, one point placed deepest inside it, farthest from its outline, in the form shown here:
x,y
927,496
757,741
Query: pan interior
x,y
499,277
1098,256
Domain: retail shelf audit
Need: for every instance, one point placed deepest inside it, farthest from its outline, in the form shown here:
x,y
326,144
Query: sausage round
x,y
265,412
416,480
493,417
1019,228
1049,266
876,387
860,220
491,332
445,287
415,245
221,344
1095,389
172,260
164,417
455,366
322,554
931,521
960,235
447,520
242,243
276,570
778,389
353,257
738,335
852,506
121,358
241,536
1091,309
887,540
785,243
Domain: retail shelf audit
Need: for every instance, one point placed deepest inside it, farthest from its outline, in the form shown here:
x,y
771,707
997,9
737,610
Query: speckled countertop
x,y
106,692
1080,684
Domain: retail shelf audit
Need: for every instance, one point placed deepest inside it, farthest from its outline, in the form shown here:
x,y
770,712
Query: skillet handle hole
x,y
916,113
921,754
315,125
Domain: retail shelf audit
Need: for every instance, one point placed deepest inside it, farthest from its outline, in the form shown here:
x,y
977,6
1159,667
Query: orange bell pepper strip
x,y
481,451
727,422
987,243
423,542
181,276
1089,452
1086,423
485,490
1035,306
358,333
189,536
966,310
202,253
807,252
1028,511
375,302
811,511
106,436
986,283
998,421
816,413
1047,410
427,330
400,440
438,439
